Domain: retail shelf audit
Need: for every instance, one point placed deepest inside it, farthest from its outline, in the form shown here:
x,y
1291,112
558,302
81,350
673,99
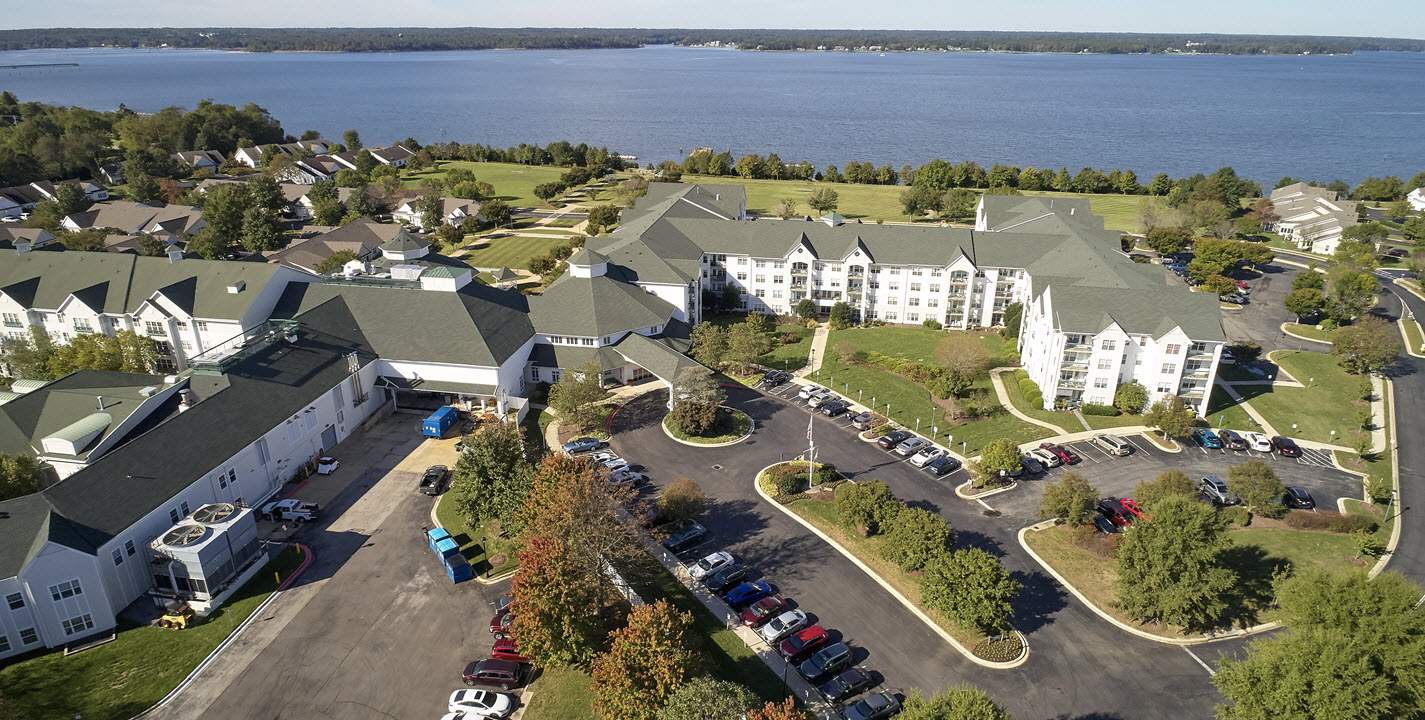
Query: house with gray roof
x,y
453,212
139,218
1312,217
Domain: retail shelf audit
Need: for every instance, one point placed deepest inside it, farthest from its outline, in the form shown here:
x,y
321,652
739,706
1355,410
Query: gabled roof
x,y
1152,312
596,306
404,241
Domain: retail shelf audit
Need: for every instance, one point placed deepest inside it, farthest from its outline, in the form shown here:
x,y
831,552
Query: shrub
x,y
1034,399
868,505
1096,409
1021,374
1330,521
789,338
1379,490
932,324
1237,515
787,479
1306,520
826,473
1348,524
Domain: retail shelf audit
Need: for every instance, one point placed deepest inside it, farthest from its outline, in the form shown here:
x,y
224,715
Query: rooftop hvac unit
x,y
149,391
407,272
184,535
214,513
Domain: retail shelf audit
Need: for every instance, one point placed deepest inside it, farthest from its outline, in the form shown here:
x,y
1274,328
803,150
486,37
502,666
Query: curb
x,y
1409,350
307,560
894,593
1177,446
1003,396
982,495
1302,337
1395,473
478,578
751,429
1115,621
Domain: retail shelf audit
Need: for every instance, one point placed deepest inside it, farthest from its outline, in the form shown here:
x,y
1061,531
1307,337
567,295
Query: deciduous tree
x,y
704,698
1131,397
823,200
682,499
1304,301
1171,416
956,703
335,261
963,353
576,395
496,211
709,343
1256,484
492,476
785,710
1169,483
1170,568
603,217
20,474
868,505
554,605
1299,675
1072,500
1000,456
646,663
696,397
972,588
1168,240
261,230
916,537
1370,345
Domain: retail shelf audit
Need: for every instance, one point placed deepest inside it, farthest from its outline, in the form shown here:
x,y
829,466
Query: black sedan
x,y
834,408
775,378
943,465
1298,498
685,537
1286,446
874,707
848,684
726,578
893,438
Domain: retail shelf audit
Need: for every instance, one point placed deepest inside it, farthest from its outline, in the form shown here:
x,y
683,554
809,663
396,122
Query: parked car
x,y
481,703
835,407
1232,440
327,465
826,662
774,378
943,465
926,454
1299,498
851,683
877,706
803,643
434,479
1104,525
810,390
820,399
726,578
1226,358
1206,438
1236,299
862,420
1397,253
747,593
1049,459
502,674
582,444
500,624
503,602
1112,444
710,565
1030,464
763,610
1215,490
623,477
912,445
685,537
289,509
1115,512
507,649
1285,446
782,626
1131,506
893,438
1242,287
1257,441
1064,454
614,464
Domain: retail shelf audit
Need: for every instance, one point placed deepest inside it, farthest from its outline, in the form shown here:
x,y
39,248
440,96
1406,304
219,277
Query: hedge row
x,y
1096,409
1330,521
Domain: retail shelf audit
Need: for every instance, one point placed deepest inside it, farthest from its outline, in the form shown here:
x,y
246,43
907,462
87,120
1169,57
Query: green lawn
x,y
729,426
1328,404
1413,338
1310,331
1376,513
782,357
1120,212
512,251
1063,420
564,222
1109,422
469,539
122,678
1224,412
513,183
1236,373
561,694
868,550
1278,546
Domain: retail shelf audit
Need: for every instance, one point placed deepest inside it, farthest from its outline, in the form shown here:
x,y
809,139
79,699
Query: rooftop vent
x,y
213,513
237,287
149,391
407,272
170,379
184,535
186,399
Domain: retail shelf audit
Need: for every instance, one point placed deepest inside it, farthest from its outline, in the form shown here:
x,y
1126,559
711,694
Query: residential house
x,y
201,159
362,237
252,156
1416,198
1312,217
139,218
14,237
23,198
395,156
113,173
312,169
454,212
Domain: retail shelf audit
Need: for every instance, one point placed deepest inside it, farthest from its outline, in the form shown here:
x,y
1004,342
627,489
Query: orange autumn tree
x,y
647,661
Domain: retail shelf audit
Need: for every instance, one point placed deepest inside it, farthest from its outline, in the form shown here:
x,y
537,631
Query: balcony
x,y
1200,355
1074,364
1193,393
1078,348
799,284
1072,384
856,274
957,293
1197,374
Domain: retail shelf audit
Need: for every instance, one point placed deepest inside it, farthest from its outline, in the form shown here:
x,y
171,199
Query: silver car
x,y
912,446
926,455
820,399
783,625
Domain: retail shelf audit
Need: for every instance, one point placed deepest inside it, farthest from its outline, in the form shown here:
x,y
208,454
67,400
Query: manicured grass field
x,y
1109,422
513,183
1096,579
120,679
868,550
1120,212
782,357
1016,398
561,694
469,539
512,251
1224,412
1311,332
1328,404
1278,546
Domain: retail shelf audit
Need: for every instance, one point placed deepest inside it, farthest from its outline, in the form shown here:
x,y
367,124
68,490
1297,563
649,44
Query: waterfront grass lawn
x,y
1224,412
501,549
1328,404
1310,332
513,183
561,694
869,551
731,424
1120,212
120,679
511,251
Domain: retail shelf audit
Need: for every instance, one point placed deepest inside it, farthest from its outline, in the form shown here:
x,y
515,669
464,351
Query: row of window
x,y
28,636
560,340
128,550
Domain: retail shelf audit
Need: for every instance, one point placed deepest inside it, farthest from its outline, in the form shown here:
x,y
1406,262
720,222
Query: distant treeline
x,y
411,39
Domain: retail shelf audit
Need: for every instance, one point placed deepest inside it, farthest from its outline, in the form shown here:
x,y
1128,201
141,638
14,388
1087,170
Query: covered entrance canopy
x,y
632,359
417,393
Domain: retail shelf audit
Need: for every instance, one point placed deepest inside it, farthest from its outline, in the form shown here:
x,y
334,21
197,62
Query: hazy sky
x,y
1389,18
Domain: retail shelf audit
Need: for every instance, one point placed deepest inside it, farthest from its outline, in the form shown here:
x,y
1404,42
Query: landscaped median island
x,y
120,679
731,425
966,592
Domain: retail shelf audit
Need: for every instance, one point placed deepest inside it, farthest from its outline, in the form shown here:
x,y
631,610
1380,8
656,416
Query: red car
x,y
1060,452
1132,506
500,625
763,610
506,649
801,645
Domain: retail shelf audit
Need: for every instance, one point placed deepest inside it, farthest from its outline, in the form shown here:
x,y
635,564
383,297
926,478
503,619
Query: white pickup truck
x,y
294,510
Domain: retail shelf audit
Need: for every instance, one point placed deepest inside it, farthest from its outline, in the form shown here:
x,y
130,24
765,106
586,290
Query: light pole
x,y
858,395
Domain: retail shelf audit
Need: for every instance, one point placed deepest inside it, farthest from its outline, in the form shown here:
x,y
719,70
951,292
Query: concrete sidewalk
x,y
1003,396
818,351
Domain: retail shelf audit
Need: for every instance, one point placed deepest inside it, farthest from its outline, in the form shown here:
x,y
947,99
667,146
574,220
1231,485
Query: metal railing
x,y
222,357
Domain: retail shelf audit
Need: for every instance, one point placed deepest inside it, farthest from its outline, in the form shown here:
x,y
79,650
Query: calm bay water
x,y
1310,117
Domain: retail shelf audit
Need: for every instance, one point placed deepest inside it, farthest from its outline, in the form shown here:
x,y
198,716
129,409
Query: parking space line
x,y
984,504
1194,656
1096,449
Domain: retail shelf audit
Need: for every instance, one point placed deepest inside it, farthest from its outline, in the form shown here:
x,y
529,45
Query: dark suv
x,y
1286,446
502,674
893,438
1115,512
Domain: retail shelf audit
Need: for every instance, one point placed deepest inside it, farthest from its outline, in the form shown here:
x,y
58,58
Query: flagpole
x,y
811,451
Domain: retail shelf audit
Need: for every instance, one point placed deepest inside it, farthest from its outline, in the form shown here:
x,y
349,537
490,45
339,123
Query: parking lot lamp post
x,y
1219,420
917,425
858,395
962,448
1310,382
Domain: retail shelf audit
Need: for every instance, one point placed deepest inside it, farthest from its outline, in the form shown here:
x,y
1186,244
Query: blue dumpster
x,y
436,535
439,422
457,568
447,547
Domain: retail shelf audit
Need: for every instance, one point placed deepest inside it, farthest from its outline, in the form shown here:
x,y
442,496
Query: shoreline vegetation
x,y
767,40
